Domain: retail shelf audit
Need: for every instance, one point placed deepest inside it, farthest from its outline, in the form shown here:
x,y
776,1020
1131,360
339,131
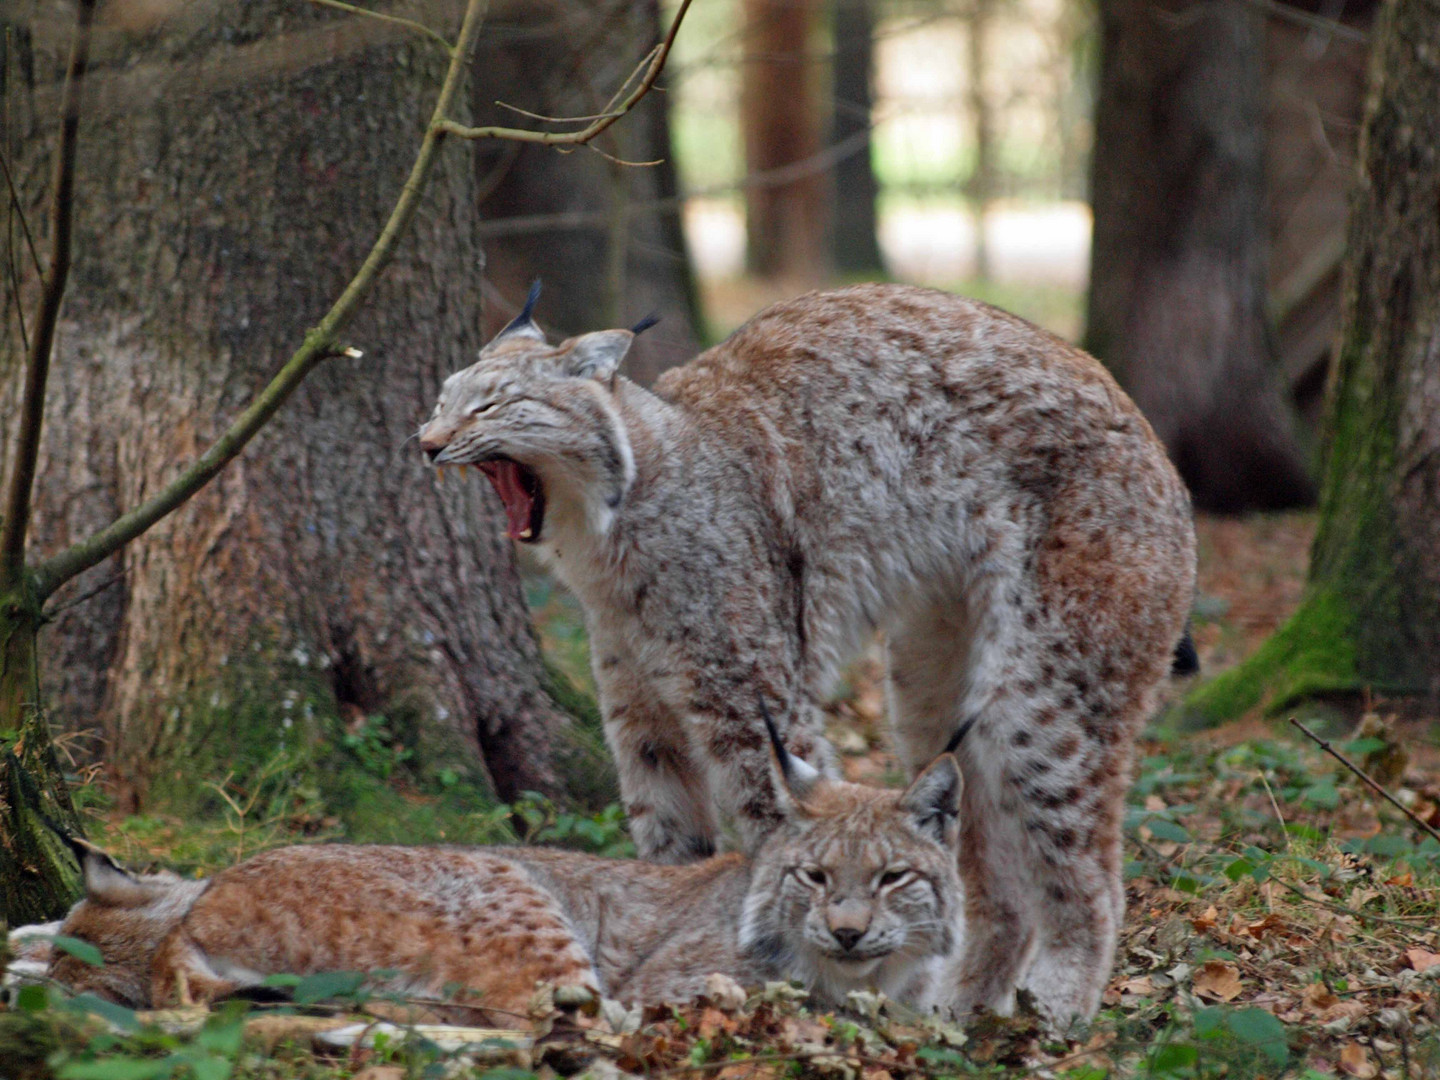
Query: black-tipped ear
x,y
645,324
523,325
933,800
959,736
798,776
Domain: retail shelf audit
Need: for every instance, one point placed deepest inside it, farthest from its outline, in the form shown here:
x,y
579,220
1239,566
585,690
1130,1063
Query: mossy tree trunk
x,y
235,165
1369,617
38,880
1178,264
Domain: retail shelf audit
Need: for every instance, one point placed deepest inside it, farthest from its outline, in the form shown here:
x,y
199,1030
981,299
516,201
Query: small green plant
x,y
377,749
603,833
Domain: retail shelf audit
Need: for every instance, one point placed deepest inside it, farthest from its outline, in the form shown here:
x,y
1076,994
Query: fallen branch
x,y
1324,744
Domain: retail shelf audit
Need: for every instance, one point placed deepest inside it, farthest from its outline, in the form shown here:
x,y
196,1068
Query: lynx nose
x,y
847,936
431,446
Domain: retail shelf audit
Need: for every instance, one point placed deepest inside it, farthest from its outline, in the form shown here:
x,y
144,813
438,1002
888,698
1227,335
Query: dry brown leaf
x,y
1317,998
1270,923
1344,1010
1356,1062
1422,959
1141,987
1206,921
1406,879
1218,981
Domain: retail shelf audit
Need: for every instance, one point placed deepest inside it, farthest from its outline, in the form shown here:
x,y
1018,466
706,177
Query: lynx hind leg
x,y
1040,818
929,689
664,788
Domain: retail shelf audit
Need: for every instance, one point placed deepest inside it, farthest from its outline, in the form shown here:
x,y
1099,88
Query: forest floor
x,y
1282,920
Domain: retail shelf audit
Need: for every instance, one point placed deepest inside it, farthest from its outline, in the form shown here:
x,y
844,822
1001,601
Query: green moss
x,y
1313,653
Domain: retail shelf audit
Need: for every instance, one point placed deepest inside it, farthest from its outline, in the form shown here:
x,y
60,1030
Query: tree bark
x,y
625,261
1178,263
855,244
235,167
785,224
1368,618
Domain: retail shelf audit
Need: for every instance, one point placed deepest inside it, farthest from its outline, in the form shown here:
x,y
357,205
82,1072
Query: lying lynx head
x,y
858,889
538,420
125,916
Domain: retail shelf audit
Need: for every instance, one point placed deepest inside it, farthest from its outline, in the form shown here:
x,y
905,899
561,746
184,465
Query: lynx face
x,y
860,888
535,417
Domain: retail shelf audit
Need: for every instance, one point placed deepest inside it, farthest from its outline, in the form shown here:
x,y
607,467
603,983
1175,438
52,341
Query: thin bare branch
x,y
37,367
319,344
622,161
19,210
89,594
1324,744
582,219
419,28
652,67
553,119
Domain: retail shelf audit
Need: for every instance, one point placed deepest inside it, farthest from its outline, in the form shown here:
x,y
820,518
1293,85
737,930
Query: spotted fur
x,y
876,458
856,888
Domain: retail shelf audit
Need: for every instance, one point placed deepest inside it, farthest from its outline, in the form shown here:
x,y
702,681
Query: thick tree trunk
x,y
1177,285
234,169
855,242
1368,620
625,259
785,223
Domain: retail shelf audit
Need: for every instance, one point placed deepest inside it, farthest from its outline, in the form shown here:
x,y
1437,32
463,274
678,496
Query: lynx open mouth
x,y
522,493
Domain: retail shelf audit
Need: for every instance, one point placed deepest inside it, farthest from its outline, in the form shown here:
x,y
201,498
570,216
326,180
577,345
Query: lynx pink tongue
x,y
505,477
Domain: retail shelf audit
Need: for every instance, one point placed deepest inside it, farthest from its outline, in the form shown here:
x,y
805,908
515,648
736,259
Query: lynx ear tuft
x,y
523,325
598,355
933,800
797,776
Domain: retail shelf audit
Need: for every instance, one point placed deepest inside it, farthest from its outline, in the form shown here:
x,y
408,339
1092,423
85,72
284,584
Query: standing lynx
x,y
856,888
876,458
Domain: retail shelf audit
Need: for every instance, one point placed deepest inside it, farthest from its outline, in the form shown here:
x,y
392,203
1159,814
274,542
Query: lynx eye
x,y
893,877
811,875
476,410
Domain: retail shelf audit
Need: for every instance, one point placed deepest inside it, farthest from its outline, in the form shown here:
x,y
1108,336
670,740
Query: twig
x,y
19,208
776,177
554,119
1334,905
88,594
420,28
651,66
37,368
1324,744
319,343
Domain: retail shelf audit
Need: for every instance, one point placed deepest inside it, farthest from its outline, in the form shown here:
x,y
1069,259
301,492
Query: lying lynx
x,y
856,888
880,457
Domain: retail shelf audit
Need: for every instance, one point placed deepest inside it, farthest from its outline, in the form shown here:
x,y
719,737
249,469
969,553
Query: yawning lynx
x,y
856,888
880,457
